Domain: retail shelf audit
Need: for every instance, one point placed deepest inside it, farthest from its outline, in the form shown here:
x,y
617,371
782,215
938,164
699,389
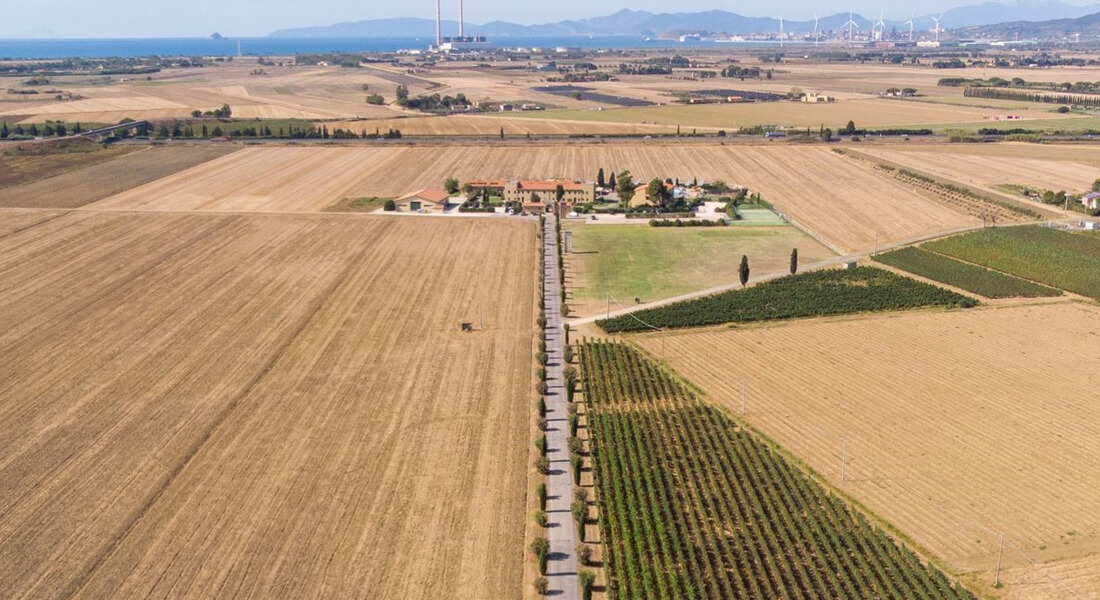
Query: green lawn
x,y
636,261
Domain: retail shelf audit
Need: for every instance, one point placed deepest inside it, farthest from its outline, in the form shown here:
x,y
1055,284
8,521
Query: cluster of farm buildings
x,y
532,194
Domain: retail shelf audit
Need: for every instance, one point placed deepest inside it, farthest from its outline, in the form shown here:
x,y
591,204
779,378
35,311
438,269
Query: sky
x,y
241,18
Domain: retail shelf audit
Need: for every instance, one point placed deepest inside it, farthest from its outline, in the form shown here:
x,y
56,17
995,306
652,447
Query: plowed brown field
x,y
846,203
957,427
200,406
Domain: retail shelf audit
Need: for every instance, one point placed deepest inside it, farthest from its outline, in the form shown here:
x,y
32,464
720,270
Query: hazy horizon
x,y
256,18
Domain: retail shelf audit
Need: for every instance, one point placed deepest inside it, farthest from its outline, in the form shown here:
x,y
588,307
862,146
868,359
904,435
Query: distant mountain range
x,y
1087,26
643,23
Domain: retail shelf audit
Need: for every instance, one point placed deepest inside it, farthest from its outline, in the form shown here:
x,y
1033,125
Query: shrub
x,y
542,376
580,494
542,585
584,554
565,310
542,323
541,387
542,358
542,519
576,446
539,545
543,424
573,424
541,492
540,443
542,407
543,465
587,580
569,354
577,463
389,206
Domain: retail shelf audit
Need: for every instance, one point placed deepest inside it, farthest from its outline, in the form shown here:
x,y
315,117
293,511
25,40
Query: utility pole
x,y
1000,549
844,459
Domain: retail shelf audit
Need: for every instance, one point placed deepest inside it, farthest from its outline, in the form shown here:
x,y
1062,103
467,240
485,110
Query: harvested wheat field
x,y
986,170
846,203
16,168
490,125
957,426
77,187
199,406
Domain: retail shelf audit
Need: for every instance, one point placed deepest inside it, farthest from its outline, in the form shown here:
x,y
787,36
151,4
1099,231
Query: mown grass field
x,y
638,261
1049,256
978,280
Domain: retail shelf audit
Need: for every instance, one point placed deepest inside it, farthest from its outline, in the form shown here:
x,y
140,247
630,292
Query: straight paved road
x,y
562,569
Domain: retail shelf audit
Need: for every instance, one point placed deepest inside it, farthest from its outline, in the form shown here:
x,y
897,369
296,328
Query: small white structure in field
x,y
850,265
818,98
1092,225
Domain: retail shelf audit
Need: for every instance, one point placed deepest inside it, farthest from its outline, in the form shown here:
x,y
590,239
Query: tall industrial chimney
x,y
461,31
438,25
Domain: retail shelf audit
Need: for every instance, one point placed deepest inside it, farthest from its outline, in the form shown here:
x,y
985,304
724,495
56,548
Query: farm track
x,y
227,405
992,434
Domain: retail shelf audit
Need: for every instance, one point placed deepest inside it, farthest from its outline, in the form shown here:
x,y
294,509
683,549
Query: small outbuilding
x,y
425,200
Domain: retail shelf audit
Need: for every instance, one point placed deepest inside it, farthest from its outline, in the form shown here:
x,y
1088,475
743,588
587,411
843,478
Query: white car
x,y
572,215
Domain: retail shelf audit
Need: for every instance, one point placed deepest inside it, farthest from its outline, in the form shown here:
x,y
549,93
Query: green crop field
x,y
692,506
978,280
814,294
1049,256
637,261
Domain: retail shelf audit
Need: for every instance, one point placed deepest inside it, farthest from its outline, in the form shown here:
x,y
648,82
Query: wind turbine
x,y
780,32
880,26
817,37
937,29
851,25
910,24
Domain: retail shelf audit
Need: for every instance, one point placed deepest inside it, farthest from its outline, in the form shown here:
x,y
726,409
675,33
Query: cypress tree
x,y
743,271
794,261
4,129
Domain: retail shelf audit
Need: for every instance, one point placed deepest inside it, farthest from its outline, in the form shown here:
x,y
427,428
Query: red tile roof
x,y
428,195
551,185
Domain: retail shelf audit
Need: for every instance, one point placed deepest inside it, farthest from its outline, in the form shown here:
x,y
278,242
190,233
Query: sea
x,y
30,49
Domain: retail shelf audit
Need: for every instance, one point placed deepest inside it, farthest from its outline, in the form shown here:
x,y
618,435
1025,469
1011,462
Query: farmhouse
x,y
520,190
818,99
1091,200
425,200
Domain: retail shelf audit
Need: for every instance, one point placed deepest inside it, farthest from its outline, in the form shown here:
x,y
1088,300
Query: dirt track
x,y
261,406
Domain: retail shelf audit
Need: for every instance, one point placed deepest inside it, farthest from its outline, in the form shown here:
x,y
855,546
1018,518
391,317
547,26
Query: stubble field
x,y
58,187
1036,167
957,427
200,406
846,203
